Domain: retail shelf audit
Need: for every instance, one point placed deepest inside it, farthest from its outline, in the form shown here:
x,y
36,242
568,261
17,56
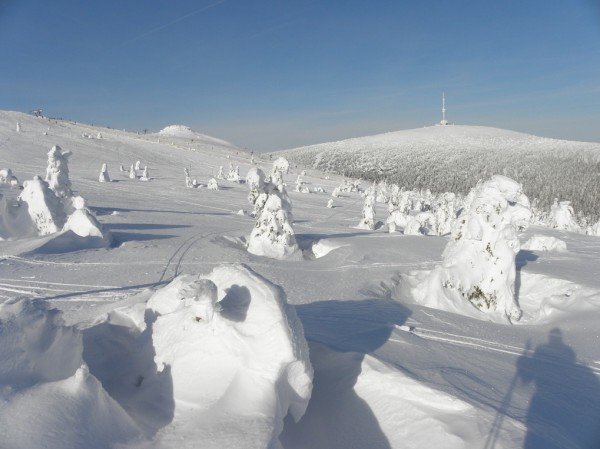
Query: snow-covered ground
x,y
94,362
451,158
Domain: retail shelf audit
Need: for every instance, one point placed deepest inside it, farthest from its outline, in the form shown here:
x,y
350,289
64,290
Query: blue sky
x,y
272,74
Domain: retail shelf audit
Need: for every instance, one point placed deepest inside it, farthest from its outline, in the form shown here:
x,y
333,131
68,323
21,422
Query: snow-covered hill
x,y
119,350
449,158
187,133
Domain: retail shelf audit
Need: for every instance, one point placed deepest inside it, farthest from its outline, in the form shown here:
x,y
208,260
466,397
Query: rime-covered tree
x,y
273,235
212,184
368,212
57,172
479,260
43,206
104,177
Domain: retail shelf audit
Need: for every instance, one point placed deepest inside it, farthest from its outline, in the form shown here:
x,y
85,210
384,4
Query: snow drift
x,y
43,378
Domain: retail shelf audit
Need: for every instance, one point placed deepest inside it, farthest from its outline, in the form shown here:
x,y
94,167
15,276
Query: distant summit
x,y
444,157
185,132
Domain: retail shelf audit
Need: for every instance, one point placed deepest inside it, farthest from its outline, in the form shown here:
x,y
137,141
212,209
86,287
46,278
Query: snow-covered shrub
x,y
138,165
234,173
57,172
479,260
273,235
212,184
18,127
145,176
336,192
422,223
104,177
330,203
368,213
83,223
132,173
99,136
121,168
7,177
544,243
43,206
220,173
594,229
562,216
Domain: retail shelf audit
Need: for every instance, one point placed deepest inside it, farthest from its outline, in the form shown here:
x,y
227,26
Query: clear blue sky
x,y
272,74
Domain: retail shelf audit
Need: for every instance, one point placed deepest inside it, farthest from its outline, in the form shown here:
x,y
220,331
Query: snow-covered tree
x,y
479,260
445,213
132,174
104,177
594,229
336,192
121,168
138,165
281,165
212,184
256,181
145,175
99,136
188,179
234,173
18,127
273,235
368,213
562,216
220,173
57,172
330,203
44,207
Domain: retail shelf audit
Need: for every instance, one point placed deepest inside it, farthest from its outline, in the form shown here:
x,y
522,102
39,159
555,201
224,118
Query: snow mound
x,y
322,247
236,353
544,243
43,378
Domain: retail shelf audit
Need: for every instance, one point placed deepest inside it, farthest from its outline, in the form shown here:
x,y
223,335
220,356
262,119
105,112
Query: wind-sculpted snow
x,y
49,399
451,158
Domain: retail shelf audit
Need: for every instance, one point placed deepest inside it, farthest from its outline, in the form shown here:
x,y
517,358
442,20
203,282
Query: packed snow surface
x,y
117,366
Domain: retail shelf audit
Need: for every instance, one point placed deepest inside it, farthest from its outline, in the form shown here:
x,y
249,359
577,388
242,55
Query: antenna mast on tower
x,y
444,121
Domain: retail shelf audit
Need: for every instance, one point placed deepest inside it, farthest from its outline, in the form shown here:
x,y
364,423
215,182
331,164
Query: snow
x,y
185,132
451,158
43,377
389,372
544,243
